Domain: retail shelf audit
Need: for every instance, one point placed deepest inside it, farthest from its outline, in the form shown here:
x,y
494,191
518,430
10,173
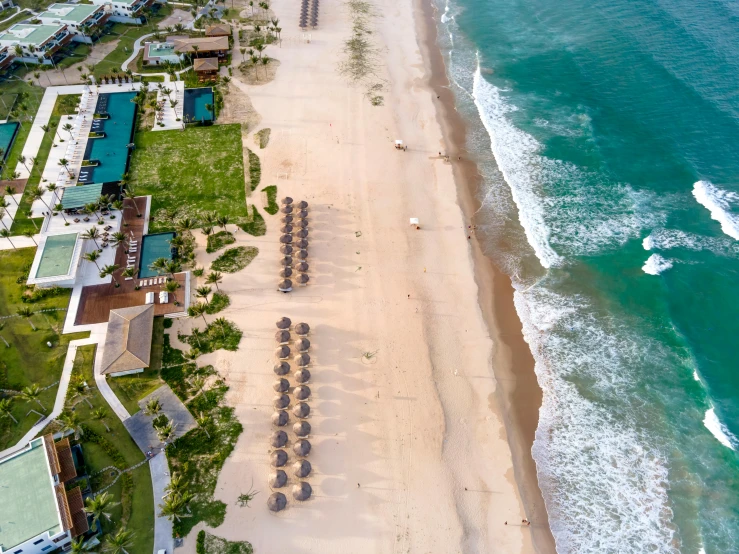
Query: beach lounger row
x,y
152,282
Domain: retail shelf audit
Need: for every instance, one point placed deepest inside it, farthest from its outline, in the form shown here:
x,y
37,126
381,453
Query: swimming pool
x,y
111,152
57,256
153,247
194,104
7,136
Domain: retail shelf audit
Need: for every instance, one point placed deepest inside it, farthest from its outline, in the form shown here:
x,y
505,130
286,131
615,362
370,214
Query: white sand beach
x,y
410,453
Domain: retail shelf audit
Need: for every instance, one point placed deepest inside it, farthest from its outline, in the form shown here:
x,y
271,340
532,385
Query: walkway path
x,y
162,526
137,47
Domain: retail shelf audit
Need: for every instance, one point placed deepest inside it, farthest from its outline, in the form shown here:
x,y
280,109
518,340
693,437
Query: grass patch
x,y
218,240
29,97
218,302
131,388
75,55
204,173
15,19
256,226
255,170
234,259
217,545
272,206
29,360
217,334
262,137
65,104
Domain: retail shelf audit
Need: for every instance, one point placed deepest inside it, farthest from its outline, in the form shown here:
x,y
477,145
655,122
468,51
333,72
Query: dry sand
x,y
410,452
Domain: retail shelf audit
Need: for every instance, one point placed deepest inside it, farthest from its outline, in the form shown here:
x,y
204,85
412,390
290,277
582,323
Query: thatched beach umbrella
x,y
301,410
287,220
302,205
287,201
280,418
302,244
278,439
281,385
302,468
302,234
286,229
282,352
302,345
302,329
302,491
285,286
284,323
287,209
301,448
302,360
302,279
281,401
276,502
286,239
301,428
302,267
302,392
302,376
278,458
286,272
302,214
286,261
282,336
301,223
283,368
301,254
277,479
286,249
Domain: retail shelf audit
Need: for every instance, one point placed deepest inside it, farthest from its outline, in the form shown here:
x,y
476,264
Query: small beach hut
x,y
284,323
286,239
301,429
280,418
277,479
286,229
302,244
281,401
302,491
281,385
302,376
302,267
283,368
302,329
276,502
302,468
286,261
302,360
278,458
302,255
282,336
278,439
302,392
286,272
285,286
287,209
287,201
301,410
301,448
302,279
302,205
283,352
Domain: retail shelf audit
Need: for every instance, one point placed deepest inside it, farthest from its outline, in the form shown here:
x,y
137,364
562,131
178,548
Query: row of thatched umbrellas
x,y
293,244
280,418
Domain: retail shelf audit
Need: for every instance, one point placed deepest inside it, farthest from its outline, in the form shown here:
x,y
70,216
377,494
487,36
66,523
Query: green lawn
x,y
64,105
102,448
30,97
29,360
16,19
204,172
77,54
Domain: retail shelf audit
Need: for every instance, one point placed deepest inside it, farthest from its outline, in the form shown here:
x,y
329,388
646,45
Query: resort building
x,y
6,57
57,260
218,30
126,11
156,53
206,68
207,47
83,20
128,340
38,43
37,513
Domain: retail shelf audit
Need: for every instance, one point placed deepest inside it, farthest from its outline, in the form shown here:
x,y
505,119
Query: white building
x,y
126,11
84,20
36,43
37,514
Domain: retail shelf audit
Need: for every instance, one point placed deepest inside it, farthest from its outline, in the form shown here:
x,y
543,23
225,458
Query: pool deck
x,y
169,118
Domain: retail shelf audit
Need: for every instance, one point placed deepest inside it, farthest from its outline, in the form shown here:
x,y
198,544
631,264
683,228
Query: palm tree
x,y
203,421
259,47
174,103
223,221
92,234
98,507
27,313
18,50
4,233
60,208
254,62
265,61
210,218
51,187
197,310
168,91
22,160
68,127
159,265
132,196
195,49
38,194
207,231
80,389
153,407
175,506
79,546
70,421
214,277
203,292
118,239
30,234
172,267
165,432
2,215
176,485
101,414
243,51
251,5
29,215
64,162
129,272
185,224
6,409
10,191
209,107
93,257
171,287
31,394
110,270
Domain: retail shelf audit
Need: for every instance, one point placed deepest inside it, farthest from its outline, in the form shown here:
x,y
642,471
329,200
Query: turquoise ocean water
x,y
608,135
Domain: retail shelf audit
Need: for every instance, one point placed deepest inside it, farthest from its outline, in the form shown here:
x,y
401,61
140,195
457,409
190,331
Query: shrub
x,y
262,137
218,302
256,227
218,240
218,334
234,259
255,170
272,206
200,544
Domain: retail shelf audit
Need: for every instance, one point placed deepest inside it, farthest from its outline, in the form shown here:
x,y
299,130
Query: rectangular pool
x,y
7,136
153,247
57,256
194,104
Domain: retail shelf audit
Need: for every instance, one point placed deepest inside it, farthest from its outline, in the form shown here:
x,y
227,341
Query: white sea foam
x,y
696,376
666,239
656,264
719,202
719,430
